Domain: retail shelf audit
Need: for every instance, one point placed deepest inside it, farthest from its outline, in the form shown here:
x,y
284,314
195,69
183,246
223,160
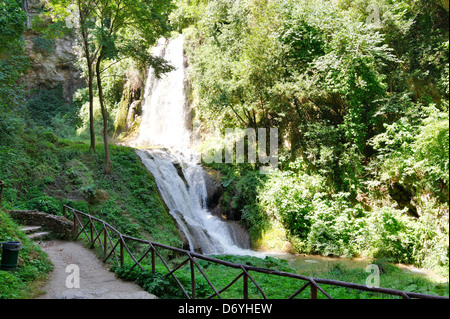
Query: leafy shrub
x,y
245,200
389,234
288,197
46,105
32,263
431,147
333,227
45,204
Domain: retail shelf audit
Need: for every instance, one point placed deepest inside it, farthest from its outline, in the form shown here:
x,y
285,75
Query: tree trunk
x,y
108,164
91,106
82,9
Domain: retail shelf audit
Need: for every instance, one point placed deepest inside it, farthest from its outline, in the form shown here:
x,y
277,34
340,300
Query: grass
x,y
67,173
275,287
46,173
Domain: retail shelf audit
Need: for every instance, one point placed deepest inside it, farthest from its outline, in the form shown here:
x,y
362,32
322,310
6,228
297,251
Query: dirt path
x,y
95,280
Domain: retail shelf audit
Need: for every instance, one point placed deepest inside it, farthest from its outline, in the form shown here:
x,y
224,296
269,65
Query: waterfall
x,y
165,110
164,142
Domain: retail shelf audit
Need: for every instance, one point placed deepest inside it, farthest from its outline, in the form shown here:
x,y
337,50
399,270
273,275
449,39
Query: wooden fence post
x,y
313,291
192,278
245,286
121,252
105,239
75,224
153,261
92,232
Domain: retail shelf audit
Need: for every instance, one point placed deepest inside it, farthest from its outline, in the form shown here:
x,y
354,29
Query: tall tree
x,y
81,14
111,30
84,21
147,19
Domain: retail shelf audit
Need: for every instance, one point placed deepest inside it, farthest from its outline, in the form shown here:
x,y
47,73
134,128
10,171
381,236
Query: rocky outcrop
x,y
214,201
52,62
214,190
131,105
100,196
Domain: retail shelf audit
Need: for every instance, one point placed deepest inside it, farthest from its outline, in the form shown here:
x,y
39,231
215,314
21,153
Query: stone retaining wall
x,y
60,227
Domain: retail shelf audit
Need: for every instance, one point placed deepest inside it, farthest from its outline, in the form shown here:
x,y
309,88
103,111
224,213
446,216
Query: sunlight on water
x,y
164,143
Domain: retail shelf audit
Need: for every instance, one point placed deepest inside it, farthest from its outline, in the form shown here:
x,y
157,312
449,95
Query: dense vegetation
x,y
32,264
358,90
46,162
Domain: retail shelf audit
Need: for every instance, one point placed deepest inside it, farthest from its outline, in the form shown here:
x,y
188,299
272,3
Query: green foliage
x,y
46,105
43,45
431,146
359,92
13,63
45,204
285,198
12,21
33,263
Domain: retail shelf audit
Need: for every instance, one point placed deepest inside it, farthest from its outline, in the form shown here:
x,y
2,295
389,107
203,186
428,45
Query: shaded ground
x,y
95,280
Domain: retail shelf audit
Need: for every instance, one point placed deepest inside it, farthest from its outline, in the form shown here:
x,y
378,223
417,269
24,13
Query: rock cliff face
x,y
215,190
52,61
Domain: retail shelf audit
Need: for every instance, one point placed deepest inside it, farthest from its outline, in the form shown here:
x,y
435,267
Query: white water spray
x,y
180,179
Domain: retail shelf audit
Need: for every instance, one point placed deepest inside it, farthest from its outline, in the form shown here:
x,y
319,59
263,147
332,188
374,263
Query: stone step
x,y
39,236
30,229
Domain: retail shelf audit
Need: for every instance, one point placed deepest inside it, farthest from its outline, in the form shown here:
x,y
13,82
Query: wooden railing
x,y
114,246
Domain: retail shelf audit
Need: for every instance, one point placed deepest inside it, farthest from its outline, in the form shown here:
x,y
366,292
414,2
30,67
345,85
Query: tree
x,y
111,30
148,21
81,11
84,21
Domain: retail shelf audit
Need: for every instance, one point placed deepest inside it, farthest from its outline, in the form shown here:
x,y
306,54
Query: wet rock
x,y
214,188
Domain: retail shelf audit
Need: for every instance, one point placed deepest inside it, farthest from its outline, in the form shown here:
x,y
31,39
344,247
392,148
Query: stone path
x,y
95,280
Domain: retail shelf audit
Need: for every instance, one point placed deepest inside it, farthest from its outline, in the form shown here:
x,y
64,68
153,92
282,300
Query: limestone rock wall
x,y
53,63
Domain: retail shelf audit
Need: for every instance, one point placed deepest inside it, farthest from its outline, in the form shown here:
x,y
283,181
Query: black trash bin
x,y
10,255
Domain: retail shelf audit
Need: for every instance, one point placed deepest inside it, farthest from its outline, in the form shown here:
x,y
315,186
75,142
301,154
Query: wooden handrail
x,y
313,283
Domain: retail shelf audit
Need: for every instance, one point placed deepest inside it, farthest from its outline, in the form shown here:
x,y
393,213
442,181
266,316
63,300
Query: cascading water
x,y
165,125
165,110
